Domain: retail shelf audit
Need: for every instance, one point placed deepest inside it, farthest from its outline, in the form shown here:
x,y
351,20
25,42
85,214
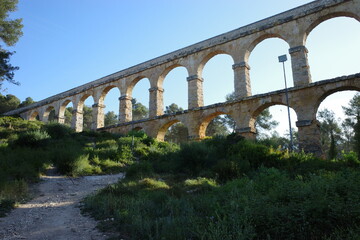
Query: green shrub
x,y
351,159
141,169
229,169
58,131
19,125
23,163
64,154
36,138
199,185
194,157
108,166
81,166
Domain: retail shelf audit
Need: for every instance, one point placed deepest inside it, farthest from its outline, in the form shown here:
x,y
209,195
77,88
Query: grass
x,y
230,188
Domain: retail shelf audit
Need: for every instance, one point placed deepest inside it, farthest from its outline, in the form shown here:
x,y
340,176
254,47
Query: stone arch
x,y
173,81
105,91
260,39
34,115
137,129
167,70
216,68
162,130
82,100
47,113
324,18
166,126
265,73
62,110
206,121
131,85
325,94
283,122
332,44
210,56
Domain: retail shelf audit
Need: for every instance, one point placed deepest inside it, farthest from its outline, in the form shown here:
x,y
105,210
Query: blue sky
x,y
68,43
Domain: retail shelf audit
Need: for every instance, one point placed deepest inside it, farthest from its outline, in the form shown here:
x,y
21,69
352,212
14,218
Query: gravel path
x,y
54,213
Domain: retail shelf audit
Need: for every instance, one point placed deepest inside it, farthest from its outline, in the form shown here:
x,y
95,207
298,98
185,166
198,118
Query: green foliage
x,y
87,117
33,139
110,119
217,126
270,205
58,131
28,101
10,31
330,132
8,102
177,133
139,170
139,111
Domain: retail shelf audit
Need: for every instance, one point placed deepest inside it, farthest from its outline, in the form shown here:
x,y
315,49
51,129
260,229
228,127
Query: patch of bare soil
x,y
54,213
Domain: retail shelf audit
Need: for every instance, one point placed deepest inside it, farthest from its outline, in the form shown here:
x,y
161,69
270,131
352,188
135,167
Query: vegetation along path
x,y
54,213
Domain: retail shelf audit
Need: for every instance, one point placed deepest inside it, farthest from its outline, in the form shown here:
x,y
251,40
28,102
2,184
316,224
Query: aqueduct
x,y
292,26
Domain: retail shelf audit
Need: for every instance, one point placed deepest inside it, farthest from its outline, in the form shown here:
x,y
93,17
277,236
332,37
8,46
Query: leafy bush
x,y
58,131
139,170
36,138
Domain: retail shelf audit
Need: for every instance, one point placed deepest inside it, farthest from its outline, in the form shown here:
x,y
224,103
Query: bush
x,y
58,131
139,170
194,157
33,139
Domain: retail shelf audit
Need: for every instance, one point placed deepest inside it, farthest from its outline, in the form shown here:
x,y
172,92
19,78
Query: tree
x,y
10,32
353,121
139,111
173,108
8,103
264,122
28,101
218,126
68,115
87,117
110,118
330,132
6,69
178,132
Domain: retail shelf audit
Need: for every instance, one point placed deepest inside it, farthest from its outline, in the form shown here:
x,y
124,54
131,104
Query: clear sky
x,y
68,43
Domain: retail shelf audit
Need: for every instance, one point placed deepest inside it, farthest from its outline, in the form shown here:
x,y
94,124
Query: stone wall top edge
x,y
260,25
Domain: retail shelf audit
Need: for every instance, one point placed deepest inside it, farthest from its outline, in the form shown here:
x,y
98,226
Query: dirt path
x,y
54,213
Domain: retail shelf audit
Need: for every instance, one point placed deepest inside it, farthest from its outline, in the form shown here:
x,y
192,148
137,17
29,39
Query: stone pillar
x,y
247,132
97,116
45,118
77,121
156,102
195,92
125,109
300,66
309,136
61,120
242,79
193,133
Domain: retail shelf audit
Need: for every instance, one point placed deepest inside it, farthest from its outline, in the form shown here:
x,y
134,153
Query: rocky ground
x,y
54,211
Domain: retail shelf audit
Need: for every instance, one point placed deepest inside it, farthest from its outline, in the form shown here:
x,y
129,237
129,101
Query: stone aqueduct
x,y
292,26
